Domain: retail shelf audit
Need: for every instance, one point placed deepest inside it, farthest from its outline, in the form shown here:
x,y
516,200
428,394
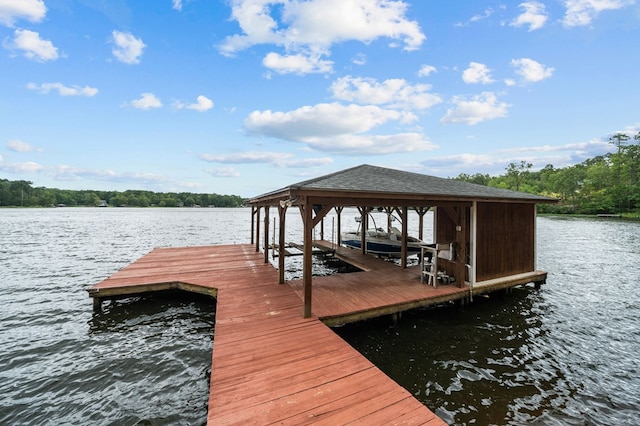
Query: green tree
x,y
477,178
517,174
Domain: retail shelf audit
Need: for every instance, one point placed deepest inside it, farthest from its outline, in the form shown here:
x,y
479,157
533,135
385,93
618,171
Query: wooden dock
x,y
383,288
269,364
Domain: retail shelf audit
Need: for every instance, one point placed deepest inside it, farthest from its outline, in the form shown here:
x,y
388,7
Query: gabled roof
x,y
373,181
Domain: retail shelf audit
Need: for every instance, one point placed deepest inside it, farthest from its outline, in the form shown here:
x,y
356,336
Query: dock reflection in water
x,y
567,354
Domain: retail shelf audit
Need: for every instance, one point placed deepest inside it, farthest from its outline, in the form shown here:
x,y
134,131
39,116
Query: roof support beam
x,y
321,214
450,211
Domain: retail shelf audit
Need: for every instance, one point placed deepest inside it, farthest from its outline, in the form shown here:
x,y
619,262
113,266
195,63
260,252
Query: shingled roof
x,y
380,182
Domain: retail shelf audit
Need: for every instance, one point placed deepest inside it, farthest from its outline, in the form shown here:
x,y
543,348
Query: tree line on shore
x,y
21,193
607,183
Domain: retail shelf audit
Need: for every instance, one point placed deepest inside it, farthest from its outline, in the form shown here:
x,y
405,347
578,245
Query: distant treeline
x,y
605,184
21,193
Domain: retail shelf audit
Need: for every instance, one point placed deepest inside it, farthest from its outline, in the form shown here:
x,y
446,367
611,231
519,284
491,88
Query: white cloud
x,y
16,168
128,48
33,46
202,104
296,64
426,70
360,59
530,70
177,4
63,90
582,12
395,93
278,159
354,144
534,16
12,10
303,163
465,161
20,146
477,73
223,172
495,163
480,108
487,13
321,120
310,28
338,128
147,101
250,157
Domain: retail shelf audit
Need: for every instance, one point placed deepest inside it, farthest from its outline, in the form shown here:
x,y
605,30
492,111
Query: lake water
x,y
568,353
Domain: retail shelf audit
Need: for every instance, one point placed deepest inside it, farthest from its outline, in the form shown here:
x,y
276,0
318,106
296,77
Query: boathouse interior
x,y
481,234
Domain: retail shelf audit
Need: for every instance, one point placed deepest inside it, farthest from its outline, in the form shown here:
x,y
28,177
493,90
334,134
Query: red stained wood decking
x,y
269,364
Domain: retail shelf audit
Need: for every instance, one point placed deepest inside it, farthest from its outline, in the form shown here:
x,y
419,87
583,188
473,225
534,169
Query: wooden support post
x,y
258,229
405,233
97,304
396,317
266,234
307,256
421,212
461,243
364,224
253,214
339,230
282,213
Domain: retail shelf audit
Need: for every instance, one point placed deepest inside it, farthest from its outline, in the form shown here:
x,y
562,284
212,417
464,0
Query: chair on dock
x,y
430,267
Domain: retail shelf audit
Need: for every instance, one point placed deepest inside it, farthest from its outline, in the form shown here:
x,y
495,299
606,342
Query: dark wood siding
x,y
506,240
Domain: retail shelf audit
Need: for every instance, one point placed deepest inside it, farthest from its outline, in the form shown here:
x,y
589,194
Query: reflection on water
x,y
565,354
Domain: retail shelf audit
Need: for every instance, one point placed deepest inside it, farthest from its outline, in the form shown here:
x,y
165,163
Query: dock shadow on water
x,y
161,372
483,364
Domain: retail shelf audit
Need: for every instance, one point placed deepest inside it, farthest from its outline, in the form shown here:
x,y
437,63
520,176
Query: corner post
x,y
253,213
307,258
266,234
257,228
282,213
97,304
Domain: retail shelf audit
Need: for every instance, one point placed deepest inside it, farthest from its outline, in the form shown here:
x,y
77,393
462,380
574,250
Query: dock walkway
x,y
269,364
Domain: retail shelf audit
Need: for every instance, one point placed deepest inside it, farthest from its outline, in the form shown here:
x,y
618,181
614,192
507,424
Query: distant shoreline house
x,y
493,229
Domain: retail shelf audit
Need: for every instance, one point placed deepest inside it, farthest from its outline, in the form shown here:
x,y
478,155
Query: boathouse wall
x,y
505,239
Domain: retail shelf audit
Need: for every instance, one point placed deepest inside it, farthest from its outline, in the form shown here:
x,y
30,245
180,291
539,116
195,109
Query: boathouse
x,y
485,237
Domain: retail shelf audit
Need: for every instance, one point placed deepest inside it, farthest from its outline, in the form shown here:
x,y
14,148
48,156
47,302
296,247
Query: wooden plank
x,y
270,365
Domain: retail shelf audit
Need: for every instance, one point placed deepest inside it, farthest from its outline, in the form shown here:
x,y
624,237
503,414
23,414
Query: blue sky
x,y
246,96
